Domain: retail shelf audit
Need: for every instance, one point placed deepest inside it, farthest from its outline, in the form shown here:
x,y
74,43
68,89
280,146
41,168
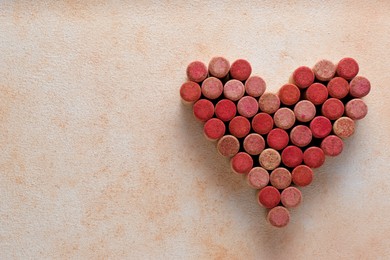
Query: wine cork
x,y
356,109
292,156
241,70
359,87
247,106
203,110
314,157
302,175
291,197
320,127
347,68
190,92
289,94
196,71
304,111
258,178
278,217
225,110
332,145
241,163
214,129
317,93
269,159
268,197
269,103
239,126
344,127
255,86
332,108
301,135
284,118
338,88
324,70
262,123
277,139
219,67
212,88
254,144
280,178
228,145
234,90
303,77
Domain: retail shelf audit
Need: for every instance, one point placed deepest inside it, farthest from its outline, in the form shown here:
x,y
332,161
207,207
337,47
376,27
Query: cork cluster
x,y
276,140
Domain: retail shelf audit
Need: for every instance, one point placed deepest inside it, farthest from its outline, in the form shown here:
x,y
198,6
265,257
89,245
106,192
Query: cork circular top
x,y
269,197
302,175
212,88
332,108
219,67
332,145
338,87
241,70
324,70
347,68
344,127
277,139
225,110
255,86
214,129
317,93
269,103
356,109
291,197
262,123
241,163
320,126
284,118
254,144
303,77
203,110
239,126
228,145
301,135
359,87
197,71
234,89
278,217
289,94
304,111
314,157
269,159
247,106
280,178
292,156
190,91
258,178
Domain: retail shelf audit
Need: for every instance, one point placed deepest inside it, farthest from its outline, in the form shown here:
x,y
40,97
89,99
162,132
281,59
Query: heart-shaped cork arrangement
x,y
276,139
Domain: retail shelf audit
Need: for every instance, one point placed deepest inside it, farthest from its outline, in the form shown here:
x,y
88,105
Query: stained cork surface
x,y
101,160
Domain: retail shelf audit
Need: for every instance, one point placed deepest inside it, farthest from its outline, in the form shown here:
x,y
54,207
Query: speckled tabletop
x,y
100,160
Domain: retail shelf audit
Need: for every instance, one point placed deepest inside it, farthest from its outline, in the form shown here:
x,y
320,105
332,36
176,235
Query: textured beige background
x,y
100,160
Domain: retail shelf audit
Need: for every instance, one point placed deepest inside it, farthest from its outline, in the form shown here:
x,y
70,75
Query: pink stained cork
x,y
239,126
258,178
324,70
268,197
197,71
320,127
332,145
289,94
302,175
277,139
344,127
255,86
269,103
314,157
292,156
212,88
262,123
234,90
278,217
225,110
304,111
303,77
356,109
269,159
254,144
317,93
332,108
301,135
214,129
228,145
280,178
359,87
284,118
190,92
247,106
241,163
203,110
338,88
241,70
291,197
219,67
347,68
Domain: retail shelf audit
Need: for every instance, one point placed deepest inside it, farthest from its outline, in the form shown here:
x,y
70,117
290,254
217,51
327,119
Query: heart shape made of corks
x,y
276,139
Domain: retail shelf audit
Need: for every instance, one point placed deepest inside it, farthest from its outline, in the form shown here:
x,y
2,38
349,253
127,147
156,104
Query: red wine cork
x,y
258,178
284,118
303,77
304,111
225,110
241,70
280,178
332,145
219,67
302,175
247,106
301,135
356,109
344,127
278,217
347,68
317,93
291,197
239,126
234,90
359,87
289,94
269,159
228,146
324,70
338,88
255,86
292,156
254,144
269,103
262,123
214,129
332,108
269,197
241,163
190,92
203,110
277,139
320,127
212,88
196,71
314,157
